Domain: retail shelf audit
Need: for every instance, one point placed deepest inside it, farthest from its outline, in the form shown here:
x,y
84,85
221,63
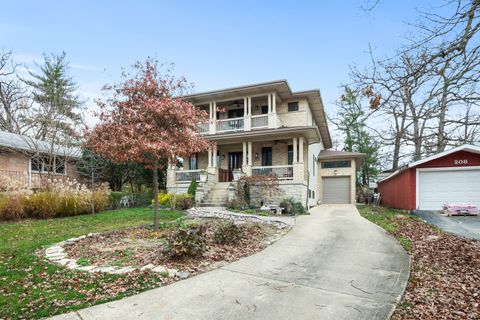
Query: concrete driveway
x,y
332,265
464,226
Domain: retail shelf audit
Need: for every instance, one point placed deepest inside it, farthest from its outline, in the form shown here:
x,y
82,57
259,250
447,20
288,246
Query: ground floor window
x,y
47,165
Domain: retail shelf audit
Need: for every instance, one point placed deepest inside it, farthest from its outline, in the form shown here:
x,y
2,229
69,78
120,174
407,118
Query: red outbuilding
x,y
451,176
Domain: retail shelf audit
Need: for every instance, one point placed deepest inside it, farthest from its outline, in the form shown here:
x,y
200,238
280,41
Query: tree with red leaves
x,y
146,120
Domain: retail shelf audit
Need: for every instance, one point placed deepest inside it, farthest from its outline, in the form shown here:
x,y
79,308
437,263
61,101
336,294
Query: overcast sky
x,y
215,44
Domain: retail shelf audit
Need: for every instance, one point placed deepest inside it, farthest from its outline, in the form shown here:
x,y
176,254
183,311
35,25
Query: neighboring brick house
x,y
31,161
259,129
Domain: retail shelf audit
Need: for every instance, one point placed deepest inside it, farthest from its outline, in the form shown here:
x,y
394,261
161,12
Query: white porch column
x,y
300,147
213,115
214,110
250,155
269,103
209,157
295,155
214,155
247,114
274,103
244,153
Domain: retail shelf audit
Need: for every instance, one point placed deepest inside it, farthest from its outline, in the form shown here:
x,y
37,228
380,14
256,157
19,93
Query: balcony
x,y
232,124
247,123
260,121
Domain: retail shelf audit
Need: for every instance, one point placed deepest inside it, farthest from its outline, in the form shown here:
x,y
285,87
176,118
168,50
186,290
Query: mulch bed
x,y
142,246
445,274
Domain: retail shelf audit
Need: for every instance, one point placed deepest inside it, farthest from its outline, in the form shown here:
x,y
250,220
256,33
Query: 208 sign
x,y
461,161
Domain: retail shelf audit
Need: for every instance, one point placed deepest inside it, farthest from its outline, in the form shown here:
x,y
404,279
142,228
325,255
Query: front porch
x,y
284,159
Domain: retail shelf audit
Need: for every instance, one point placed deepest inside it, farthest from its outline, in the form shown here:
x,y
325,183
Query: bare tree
x,y
14,97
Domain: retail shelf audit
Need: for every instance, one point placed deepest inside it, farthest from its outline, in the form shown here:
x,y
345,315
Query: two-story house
x,y
259,129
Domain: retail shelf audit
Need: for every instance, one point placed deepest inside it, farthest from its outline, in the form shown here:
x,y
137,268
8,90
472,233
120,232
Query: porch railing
x,y
232,124
281,172
187,175
203,128
260,121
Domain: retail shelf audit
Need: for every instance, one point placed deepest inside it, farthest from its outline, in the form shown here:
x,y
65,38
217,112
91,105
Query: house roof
x,y
465,147
333,154
282,89
24,143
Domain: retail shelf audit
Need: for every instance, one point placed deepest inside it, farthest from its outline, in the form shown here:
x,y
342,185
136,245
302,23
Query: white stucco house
x,y
264,129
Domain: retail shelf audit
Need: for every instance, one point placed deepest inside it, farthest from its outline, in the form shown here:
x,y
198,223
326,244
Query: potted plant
x,y
203,175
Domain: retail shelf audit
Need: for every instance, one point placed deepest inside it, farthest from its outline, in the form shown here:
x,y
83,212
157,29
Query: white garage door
x,y
336,190
456,186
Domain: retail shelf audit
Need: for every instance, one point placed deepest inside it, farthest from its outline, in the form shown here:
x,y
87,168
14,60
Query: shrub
x,y
228,233
192,188
182,201
164,199
187,242
292,206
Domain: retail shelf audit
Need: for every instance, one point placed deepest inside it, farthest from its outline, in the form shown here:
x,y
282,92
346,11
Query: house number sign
x,y
461,161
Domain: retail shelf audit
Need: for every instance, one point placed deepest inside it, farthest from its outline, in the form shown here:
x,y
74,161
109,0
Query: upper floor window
x,y
336,164
46,165
293,106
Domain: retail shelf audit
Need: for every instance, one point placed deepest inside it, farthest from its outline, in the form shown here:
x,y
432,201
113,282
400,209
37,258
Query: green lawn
x,y
387,218
30,287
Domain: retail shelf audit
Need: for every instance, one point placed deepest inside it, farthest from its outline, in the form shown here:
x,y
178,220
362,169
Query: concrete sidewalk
x,y
332,265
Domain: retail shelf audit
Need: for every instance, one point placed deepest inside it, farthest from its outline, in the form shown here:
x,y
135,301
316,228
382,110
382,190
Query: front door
x,y
234,162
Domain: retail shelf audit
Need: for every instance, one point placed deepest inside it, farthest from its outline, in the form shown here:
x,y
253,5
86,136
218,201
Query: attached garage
x,y
452,176
337,172
336,189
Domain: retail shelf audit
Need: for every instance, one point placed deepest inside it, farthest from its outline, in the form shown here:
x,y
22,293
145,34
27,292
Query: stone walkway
x,y
333,264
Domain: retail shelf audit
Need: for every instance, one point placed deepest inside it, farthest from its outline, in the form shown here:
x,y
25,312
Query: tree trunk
x,y
155,195
93,192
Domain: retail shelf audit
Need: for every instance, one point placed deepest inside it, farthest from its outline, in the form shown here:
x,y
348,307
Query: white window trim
x,y
417,178
45,172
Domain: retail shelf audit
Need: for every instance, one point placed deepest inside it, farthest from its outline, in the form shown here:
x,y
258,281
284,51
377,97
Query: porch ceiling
x,y
310,134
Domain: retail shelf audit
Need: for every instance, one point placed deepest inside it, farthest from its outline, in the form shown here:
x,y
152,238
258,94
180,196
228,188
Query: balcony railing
x,y
260,121
187,175
203,128
233,124
281,172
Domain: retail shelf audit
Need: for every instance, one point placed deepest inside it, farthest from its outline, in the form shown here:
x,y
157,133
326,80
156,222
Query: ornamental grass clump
x,y
59,198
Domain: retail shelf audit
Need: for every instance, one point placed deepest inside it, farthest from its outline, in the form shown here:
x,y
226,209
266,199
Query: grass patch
x,y
32,288
388,219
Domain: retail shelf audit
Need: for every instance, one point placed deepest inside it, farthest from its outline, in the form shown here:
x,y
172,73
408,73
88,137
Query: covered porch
x,y
227,160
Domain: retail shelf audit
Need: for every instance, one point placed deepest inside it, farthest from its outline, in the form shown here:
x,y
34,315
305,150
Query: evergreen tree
x,y
57,108
351,122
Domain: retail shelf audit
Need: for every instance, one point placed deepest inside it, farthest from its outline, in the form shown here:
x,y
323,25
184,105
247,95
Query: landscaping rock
x,y
183,274
147,267
160,269
172,272
86,268
105,269
64,262
123,270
